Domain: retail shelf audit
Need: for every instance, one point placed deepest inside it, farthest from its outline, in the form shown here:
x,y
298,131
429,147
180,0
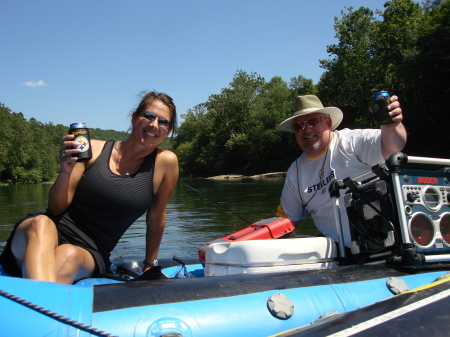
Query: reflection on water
x,y
16,201
200,210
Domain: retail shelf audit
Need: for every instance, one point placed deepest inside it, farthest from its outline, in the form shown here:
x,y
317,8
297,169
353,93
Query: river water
x,y
200,210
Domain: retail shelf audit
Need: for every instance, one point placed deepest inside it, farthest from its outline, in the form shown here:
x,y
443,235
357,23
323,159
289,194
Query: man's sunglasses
x,y
164,123
311,122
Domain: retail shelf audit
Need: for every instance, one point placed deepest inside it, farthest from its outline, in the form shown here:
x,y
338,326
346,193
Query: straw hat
x,y
310,104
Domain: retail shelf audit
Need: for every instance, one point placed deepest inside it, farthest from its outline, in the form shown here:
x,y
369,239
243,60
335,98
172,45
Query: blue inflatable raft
x,y
234,305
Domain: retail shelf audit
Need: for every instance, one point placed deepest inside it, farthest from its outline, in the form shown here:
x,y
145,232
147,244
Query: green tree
x,y
231,112
193,136
236,131
18,154
395,40
302,86
265,146
5,144
351,72
429,85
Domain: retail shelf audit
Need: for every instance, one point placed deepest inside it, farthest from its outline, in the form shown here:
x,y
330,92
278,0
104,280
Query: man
x,y
329,154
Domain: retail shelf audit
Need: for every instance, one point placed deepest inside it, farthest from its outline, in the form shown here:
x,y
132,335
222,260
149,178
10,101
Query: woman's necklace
x,y
118,159
321,174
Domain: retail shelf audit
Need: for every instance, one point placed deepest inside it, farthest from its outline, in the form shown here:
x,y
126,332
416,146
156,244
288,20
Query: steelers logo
x,y
84,143
376,107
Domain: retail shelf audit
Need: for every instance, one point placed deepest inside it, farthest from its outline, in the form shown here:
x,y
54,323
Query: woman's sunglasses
x,y
311,122
164,123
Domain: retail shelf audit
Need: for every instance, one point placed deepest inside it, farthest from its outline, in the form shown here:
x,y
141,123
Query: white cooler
x,y
266,256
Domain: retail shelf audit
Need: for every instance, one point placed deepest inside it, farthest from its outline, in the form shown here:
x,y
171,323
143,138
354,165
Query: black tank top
x,y
105,204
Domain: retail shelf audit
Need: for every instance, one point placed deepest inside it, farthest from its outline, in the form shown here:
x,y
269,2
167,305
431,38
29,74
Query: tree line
x,y
29,149
402,49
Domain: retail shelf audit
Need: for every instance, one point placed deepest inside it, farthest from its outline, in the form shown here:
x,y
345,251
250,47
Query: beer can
x,y
379,103
81,133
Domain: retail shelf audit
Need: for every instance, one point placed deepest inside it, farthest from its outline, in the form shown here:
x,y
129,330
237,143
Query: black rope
x,y
56,316
183,272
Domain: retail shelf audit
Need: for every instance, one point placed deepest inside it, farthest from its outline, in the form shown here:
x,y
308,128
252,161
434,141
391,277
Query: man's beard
x,y
312,147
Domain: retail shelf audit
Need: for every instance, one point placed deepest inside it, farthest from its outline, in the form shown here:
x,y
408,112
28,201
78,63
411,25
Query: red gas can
x,y
272,228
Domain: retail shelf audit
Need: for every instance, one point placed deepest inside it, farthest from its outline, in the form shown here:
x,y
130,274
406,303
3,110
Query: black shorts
x,y
66,234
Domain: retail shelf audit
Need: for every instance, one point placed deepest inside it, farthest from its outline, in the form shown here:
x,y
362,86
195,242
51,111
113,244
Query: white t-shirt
x,y
351,152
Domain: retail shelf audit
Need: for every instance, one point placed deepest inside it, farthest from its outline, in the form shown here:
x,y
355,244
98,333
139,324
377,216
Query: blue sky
x,y
87,60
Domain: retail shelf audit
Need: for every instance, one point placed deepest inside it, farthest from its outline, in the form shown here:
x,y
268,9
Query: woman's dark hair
x,y
149,97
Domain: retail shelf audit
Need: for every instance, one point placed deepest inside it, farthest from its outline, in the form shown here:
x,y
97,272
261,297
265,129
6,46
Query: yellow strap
x,y
280,211
428,286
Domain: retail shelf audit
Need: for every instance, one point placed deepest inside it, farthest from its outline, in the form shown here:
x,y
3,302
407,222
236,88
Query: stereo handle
x,y
426,160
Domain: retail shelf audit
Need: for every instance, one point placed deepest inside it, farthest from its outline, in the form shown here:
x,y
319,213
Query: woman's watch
x,y
154,263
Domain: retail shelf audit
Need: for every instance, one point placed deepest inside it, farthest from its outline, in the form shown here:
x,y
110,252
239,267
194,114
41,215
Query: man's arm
x,y
393,136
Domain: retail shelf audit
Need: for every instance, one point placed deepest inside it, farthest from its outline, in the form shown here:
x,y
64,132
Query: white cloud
x,y
34,84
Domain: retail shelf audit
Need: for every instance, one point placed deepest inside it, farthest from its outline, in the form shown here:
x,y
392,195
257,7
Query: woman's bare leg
x,y
73,263
34,245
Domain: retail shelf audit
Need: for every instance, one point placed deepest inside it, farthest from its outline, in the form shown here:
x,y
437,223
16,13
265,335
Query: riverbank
x,y
272,175
43,183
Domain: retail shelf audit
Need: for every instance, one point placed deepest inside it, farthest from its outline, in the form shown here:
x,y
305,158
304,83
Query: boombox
x,y
395,214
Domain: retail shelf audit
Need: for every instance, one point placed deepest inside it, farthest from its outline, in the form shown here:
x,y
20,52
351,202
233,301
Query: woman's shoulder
x,y
166,158
166,154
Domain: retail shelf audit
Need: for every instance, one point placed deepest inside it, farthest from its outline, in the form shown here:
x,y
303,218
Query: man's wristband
x,y
154,263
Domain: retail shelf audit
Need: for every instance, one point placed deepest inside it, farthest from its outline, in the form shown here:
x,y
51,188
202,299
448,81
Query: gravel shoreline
x,y
272,175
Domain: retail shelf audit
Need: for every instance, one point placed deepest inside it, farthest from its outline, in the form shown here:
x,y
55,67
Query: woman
x,y
92,204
